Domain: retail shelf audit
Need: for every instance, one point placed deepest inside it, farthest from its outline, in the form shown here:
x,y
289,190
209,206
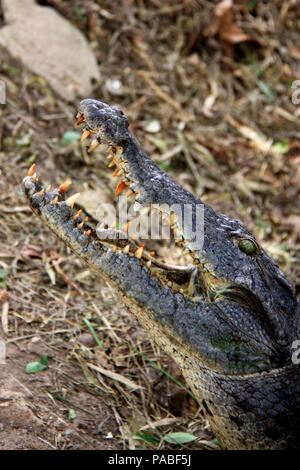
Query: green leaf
x,y
281,146
270,94
71,415
179,438
70,136
147,437
93,333
3,274
44,360
33,367
37,366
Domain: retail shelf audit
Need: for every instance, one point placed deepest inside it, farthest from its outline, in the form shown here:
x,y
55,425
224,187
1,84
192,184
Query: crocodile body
x,y
229,321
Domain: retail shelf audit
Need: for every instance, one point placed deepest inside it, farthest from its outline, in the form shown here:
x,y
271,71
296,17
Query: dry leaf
x,y
223,25
113,375
31,251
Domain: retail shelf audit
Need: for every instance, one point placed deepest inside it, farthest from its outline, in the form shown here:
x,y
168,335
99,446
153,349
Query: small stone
x,y
87,340
152,126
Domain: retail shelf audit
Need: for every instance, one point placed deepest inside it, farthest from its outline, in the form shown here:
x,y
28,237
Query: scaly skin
x,y
229,321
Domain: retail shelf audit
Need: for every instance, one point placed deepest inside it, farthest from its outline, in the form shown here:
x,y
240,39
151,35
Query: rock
x,y
49,46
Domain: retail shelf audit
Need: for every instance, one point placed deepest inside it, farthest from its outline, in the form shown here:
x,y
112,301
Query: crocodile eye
x,y
248,246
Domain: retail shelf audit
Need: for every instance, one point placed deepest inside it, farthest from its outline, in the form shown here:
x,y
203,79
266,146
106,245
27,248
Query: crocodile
x,y
229,319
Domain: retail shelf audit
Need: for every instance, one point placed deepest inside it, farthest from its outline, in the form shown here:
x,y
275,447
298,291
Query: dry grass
x,y
228,131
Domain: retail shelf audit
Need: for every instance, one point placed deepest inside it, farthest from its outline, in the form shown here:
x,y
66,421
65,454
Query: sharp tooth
x,y
88,232
64,187
85,135
86,219
139,252
112,163
49,188
121,186
115,173
119,151
31,170
120,172
55,200
148,263
125,228
81,225
41,192
152,253
114,249
80,119
71,200
95,143
34,178
129,193
126,249
109,157
77,214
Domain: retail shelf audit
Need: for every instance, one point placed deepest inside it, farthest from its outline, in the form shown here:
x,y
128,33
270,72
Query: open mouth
x,y
60,214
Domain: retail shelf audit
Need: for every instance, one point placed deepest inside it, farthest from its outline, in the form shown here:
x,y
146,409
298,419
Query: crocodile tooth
x,y
110,156
88,232
119,151
129,193
71,200
126,249
49,188
80,119
148,264
139,252
55,200
112,163
120,172
85,135
31,170
152,253
86,219
125,228
64,186
121,186
77,214
95,143
115,173
81,225
41,192
34,177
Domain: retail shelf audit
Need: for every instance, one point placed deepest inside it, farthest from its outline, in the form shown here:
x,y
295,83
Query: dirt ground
x,y
212,101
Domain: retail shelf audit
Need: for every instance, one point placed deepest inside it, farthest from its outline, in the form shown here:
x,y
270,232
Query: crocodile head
x,y
232,312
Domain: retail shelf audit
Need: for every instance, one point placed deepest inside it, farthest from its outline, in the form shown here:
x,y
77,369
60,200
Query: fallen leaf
x,y
31,251
223,24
